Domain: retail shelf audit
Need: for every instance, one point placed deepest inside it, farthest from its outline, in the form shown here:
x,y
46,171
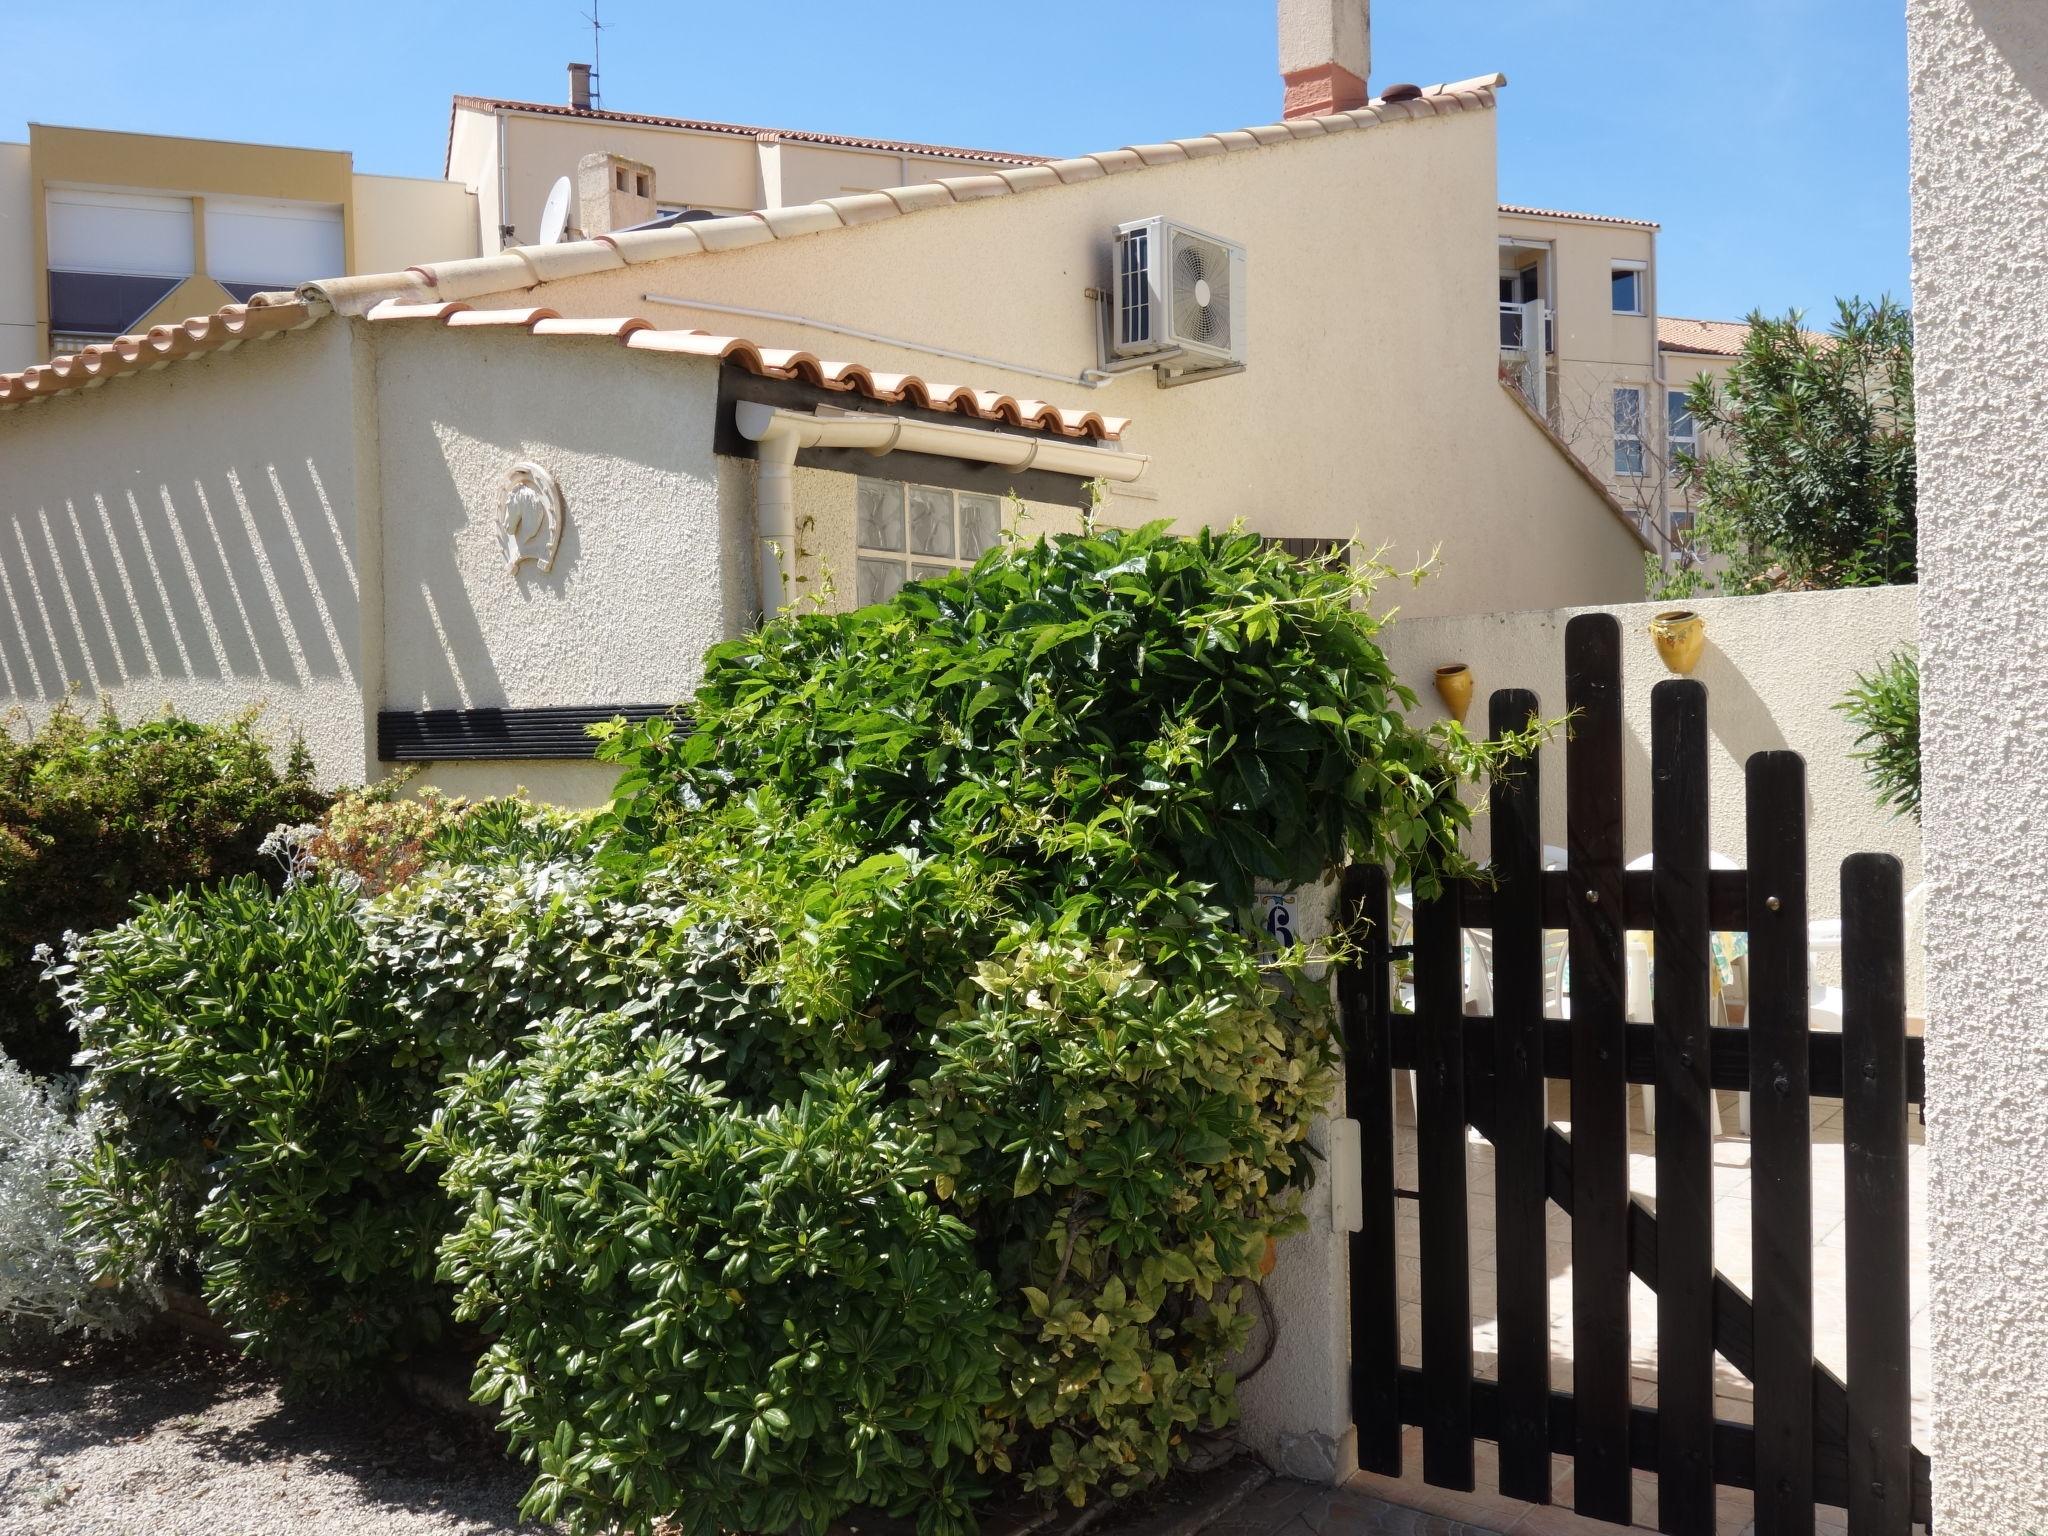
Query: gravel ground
x,y
169,1438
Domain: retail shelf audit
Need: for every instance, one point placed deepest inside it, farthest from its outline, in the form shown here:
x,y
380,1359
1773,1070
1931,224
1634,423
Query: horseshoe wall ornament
x,y
530,517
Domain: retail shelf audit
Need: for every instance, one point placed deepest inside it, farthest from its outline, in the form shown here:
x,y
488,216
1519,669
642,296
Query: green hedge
x,y
95,814
886,1104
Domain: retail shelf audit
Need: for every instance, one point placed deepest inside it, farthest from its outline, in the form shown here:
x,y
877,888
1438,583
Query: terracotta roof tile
x,y
221,331
741,130
1576,218
774,363
1710,338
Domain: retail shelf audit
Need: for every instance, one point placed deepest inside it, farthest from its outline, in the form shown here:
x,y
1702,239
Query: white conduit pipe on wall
x,y
782,434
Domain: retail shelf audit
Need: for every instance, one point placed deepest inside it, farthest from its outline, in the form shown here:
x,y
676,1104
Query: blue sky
x,y
1768,137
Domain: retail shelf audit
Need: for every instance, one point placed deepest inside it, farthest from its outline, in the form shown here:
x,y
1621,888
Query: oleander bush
x,y
261,1062
94,813
260,1095
44,1285
936,932
1884,706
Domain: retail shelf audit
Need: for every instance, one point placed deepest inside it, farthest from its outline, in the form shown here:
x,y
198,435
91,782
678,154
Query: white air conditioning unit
x,y
1175,289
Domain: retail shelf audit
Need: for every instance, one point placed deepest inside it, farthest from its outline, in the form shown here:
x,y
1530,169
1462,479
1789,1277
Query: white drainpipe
x,y
782,434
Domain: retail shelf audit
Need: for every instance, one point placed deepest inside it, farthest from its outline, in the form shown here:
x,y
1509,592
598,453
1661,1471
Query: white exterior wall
x,y
1371,405
191,539
1773,668
18,329
1979,81
655,564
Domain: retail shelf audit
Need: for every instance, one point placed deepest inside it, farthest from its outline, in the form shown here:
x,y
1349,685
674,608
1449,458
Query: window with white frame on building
x,y
1628,431
1627,278
911,532
1682,434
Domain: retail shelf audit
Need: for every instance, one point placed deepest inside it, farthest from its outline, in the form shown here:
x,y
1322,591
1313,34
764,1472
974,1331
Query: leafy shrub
x,y
1818,485
776,1293
43,1282
1885,706
982,849
93,815
260,1097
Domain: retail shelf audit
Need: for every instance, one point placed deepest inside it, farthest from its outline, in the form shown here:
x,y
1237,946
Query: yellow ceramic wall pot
x,y
1679,635
1454,687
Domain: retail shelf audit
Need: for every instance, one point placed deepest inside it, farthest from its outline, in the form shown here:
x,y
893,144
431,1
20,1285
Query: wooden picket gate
x,y
1815,1437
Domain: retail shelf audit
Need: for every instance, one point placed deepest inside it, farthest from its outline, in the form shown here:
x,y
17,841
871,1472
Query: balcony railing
x,y
1518,322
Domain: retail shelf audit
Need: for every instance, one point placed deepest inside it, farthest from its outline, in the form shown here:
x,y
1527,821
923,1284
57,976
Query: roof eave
x,y
525,267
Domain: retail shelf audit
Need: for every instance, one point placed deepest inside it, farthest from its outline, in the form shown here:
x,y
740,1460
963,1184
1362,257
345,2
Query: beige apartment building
x,y
510,154
107,234
1582,338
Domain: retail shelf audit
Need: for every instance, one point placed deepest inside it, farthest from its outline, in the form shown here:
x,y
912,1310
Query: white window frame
x,y
916,564
1633,439
1641,269
1674,443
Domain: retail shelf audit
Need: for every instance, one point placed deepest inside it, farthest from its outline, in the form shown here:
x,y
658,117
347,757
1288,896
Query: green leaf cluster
x,y
1884,705
1818,483
94,813
259,1098
711,1319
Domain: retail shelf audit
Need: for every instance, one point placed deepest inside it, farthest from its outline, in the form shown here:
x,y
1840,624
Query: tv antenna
x,y
597,31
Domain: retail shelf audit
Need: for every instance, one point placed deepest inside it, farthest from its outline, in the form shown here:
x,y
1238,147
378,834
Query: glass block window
x,y
913,532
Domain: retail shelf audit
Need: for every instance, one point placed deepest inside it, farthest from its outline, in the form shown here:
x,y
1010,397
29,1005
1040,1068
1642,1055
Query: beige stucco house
x,y
104,234
304,501
509,154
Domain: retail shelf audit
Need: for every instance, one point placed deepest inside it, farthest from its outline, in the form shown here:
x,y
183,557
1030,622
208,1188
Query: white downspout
x,y
780,434
775,513
504,240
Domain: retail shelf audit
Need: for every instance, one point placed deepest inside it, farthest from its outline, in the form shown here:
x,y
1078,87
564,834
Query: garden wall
x,y
1773,668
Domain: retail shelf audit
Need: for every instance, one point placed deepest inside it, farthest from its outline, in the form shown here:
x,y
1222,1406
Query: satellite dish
x,y
555,217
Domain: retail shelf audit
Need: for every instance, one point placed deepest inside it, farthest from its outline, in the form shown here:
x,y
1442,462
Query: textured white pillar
x,y
1979,82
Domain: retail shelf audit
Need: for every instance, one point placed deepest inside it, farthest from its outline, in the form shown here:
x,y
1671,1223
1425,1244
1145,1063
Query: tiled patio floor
x,y
1485,1508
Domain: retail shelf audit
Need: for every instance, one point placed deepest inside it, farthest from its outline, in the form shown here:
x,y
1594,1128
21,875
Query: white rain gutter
x,y
783,433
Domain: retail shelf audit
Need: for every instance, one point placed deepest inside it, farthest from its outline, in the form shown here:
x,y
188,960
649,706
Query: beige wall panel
x,y
189,537
579,785
1372,404
402,221
654,566
709,170
20,335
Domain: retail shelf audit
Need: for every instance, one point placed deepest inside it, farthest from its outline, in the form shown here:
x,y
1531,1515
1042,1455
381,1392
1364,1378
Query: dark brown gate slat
x,y
1440,1182
1685,1105
1781,1145
1363,1002
1874,1133
1600,1330
1520,1112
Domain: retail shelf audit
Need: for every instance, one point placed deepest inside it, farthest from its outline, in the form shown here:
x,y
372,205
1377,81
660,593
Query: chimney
x,y
1325,52
613,192
579,87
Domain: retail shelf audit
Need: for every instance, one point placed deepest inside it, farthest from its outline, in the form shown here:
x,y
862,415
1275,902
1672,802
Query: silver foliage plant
x,y
42,1135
